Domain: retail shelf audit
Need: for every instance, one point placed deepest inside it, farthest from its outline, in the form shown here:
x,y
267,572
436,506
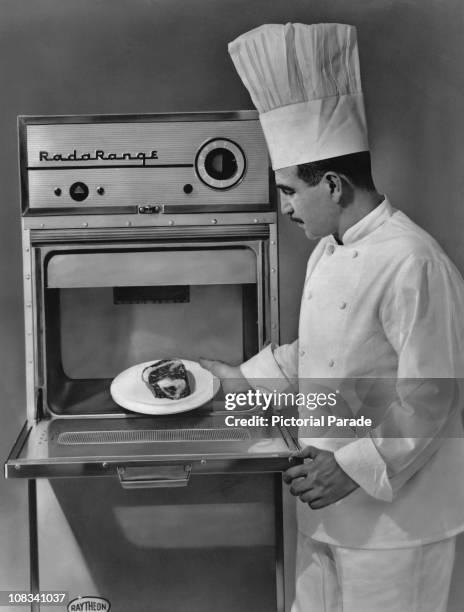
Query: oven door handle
x,y
151,477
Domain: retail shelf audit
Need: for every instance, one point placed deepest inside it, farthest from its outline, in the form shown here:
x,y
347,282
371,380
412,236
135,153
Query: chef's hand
x,y
231,377
319,482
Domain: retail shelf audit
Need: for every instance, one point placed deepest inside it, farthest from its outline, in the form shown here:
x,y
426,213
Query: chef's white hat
x,y
306,84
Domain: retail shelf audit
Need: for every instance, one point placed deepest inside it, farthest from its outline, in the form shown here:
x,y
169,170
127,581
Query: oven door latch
x,y
154,476
150,209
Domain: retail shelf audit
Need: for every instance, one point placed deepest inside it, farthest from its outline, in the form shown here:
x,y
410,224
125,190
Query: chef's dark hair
x,y
355,166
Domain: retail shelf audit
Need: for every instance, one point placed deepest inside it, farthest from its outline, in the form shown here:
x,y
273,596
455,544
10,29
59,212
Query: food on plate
x,y
167,379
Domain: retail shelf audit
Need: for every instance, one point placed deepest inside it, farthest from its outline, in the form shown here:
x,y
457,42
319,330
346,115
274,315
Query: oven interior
x,y
106,309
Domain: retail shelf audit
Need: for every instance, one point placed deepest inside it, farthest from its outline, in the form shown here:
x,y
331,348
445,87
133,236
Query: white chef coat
x,y
387,304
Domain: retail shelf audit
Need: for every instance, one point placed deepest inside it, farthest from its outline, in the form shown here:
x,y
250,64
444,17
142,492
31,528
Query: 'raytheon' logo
x,y
141,156
89,604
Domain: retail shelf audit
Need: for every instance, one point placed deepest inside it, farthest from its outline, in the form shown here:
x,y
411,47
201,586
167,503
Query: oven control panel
x,y
150,164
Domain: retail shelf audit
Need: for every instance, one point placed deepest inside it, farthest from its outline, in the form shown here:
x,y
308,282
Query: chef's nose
x,y
285,205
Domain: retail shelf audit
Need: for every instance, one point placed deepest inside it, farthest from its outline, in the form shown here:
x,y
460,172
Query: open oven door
x,y
142,448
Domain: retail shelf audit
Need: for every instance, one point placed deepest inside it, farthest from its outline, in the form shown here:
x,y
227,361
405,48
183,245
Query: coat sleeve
x,y
421,317
275,368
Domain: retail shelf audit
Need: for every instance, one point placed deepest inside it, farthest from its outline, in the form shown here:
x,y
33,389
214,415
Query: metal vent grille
x,y
145,233
153,435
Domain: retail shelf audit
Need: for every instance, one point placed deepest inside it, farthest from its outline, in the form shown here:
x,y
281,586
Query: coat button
x,y
331,363
302,353
309,295
330,249
355,254
343,305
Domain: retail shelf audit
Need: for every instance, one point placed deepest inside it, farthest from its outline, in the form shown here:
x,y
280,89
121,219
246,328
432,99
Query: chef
x,y
381,323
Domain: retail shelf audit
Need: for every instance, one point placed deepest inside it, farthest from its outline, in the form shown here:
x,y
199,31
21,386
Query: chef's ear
x,y
333,183
339,187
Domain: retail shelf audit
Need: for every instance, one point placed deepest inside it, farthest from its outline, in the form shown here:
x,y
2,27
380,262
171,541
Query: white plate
x,y
129,390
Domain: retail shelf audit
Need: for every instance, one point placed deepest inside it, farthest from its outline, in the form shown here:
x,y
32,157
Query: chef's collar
x,y
368,224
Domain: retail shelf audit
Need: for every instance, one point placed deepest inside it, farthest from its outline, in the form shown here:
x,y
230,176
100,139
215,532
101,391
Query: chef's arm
x,y
275,368
421,319
272,369
410,434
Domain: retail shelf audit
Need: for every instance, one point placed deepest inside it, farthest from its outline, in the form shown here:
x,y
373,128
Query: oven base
x,y
216,545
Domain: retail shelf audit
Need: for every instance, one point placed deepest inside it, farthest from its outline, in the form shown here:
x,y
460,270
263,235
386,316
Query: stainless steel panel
x,y
31,327
156,267
138,163
174,142
39,453
137,186
195,222
208,547
272,277
119,234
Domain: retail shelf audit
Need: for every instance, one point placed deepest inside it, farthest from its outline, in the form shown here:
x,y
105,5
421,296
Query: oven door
x,y
150,452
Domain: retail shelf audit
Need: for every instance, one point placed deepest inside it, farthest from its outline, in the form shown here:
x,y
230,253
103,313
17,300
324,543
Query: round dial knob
x,y
220,163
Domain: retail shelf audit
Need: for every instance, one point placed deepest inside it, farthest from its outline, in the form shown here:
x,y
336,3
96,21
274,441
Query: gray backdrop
x,y
141,56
